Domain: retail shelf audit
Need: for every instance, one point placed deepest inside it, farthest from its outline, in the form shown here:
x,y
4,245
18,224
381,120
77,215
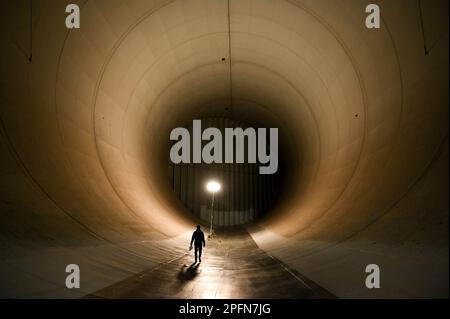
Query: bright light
x,y
213,186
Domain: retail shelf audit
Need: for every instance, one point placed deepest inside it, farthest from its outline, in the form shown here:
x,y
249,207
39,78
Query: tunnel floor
x,y
232,267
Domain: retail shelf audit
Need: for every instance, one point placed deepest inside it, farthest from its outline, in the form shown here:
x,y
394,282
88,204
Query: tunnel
x,y
362,114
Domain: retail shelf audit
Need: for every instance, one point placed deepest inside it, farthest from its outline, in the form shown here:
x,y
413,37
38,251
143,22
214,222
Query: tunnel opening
x,y
246,195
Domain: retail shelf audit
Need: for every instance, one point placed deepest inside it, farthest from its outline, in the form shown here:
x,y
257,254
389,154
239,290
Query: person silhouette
x,y
198,238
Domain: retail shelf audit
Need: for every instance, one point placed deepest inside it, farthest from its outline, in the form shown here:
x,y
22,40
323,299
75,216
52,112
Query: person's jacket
x,y
198,238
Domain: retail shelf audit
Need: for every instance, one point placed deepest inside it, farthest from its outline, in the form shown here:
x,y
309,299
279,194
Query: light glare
x,y
213,186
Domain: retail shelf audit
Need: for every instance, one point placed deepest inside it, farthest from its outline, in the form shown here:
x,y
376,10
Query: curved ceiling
x,y
363,113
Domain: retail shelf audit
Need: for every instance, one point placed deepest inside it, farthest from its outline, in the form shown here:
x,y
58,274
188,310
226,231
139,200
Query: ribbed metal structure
x,y
244,196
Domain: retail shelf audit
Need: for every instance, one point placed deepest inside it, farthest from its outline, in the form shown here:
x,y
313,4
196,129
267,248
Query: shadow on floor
x,y
189,273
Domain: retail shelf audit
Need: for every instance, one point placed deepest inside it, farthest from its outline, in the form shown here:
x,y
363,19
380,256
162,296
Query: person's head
x,y
198,227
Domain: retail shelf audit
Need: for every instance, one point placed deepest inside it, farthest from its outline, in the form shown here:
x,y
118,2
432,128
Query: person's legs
x,y
196,251
200,253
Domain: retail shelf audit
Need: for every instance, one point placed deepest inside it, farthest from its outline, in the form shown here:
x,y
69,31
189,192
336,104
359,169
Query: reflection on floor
x,y
232,267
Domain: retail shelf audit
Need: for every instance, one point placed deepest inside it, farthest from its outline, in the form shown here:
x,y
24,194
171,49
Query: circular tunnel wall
x,y
362,116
